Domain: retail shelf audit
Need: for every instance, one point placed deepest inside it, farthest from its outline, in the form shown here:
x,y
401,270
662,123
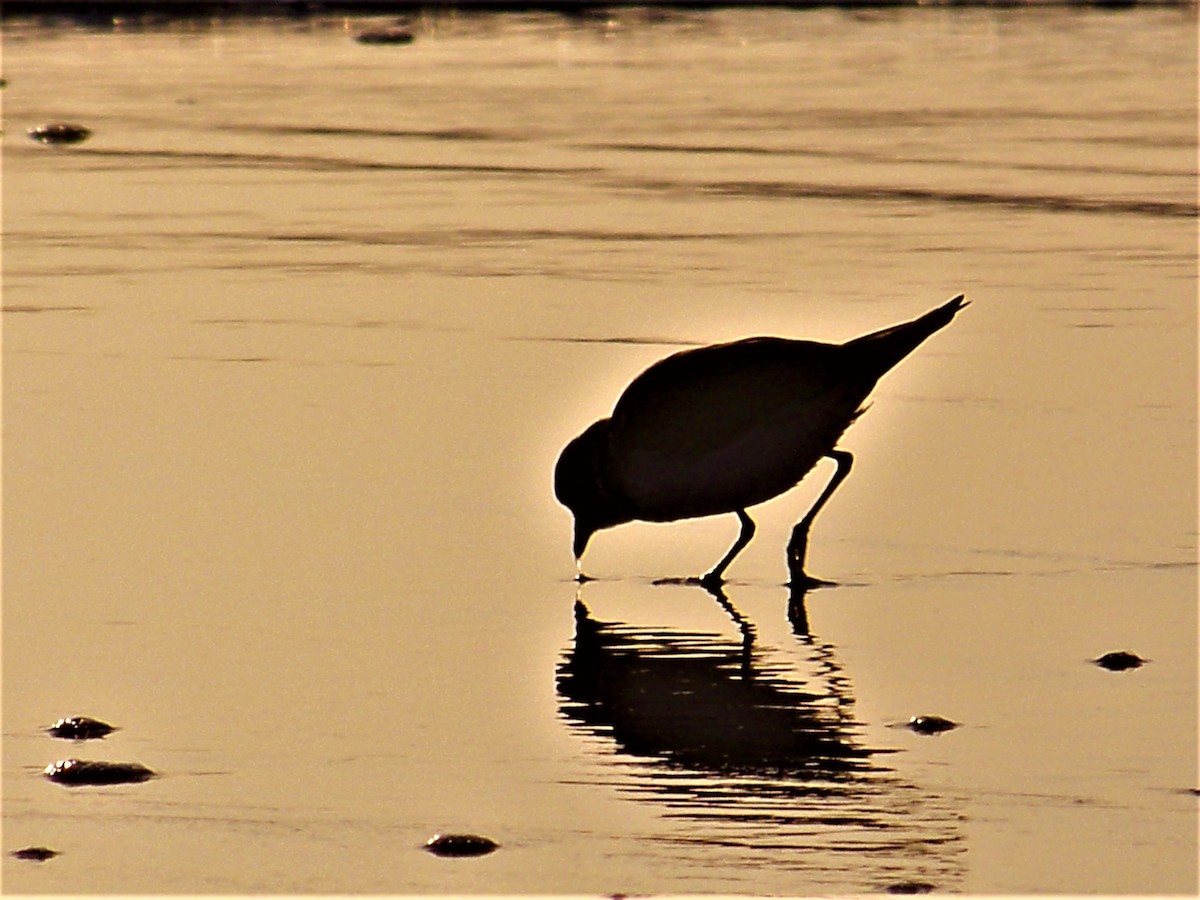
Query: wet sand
x,y
291,344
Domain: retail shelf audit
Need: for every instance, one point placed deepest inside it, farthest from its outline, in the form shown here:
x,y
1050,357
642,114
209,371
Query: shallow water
x,y
291,345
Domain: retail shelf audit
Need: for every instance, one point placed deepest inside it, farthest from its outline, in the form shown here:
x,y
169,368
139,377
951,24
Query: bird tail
x,y
881,350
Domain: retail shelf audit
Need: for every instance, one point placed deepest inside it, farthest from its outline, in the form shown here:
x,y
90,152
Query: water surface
x,y
291,345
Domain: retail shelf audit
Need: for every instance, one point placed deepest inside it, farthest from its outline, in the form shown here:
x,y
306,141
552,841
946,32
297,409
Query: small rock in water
x,y
60,133
460,845
393,35
1119,661
37,854
910,887
930,724
80,728
73,772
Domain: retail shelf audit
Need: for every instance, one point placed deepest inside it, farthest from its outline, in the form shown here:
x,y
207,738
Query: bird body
x,y
719,428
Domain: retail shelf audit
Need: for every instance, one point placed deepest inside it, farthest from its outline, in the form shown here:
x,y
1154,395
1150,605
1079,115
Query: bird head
x,y
582,485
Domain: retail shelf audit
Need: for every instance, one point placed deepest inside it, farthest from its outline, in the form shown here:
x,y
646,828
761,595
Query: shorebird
x,y
721,428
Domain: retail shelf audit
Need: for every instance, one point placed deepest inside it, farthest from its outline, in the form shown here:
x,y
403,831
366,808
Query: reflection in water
x,y
751,756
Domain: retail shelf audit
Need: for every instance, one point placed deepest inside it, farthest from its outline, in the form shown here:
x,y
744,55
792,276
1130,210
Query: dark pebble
x,y
74,772
1119,661
37,854
460,845
60,133
387,36
930,724
910,887
80,728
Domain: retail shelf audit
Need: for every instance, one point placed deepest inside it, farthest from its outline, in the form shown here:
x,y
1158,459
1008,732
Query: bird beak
x,y
582,535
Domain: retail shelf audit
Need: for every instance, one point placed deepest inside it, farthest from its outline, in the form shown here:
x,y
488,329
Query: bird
x,y
720,428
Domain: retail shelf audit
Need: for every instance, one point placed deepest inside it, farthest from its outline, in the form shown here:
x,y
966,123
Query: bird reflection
x,y
756,746
705,700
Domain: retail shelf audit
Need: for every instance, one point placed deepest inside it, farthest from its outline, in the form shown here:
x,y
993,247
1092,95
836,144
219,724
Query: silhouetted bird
x,y
718,429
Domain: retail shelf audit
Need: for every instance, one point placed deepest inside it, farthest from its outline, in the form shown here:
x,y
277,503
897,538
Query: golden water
x,y
291,345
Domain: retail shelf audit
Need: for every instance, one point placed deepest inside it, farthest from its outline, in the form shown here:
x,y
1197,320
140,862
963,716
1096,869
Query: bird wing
x,y
697,401
722,427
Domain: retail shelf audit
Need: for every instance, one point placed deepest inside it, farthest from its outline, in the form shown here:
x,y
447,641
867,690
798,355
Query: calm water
x,y
291,345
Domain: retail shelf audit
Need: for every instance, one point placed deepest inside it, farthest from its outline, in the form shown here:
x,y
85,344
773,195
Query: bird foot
x,y
675,579
708,582
803,582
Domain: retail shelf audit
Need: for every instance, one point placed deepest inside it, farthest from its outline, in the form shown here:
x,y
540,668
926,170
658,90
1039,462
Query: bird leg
x,y
798,545
715,577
